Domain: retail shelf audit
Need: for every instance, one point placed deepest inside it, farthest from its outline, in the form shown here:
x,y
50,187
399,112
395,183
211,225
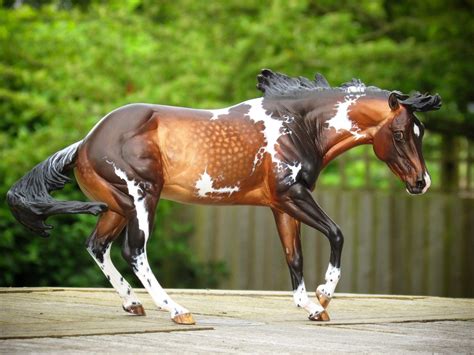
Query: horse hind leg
x,y
109,227
139,227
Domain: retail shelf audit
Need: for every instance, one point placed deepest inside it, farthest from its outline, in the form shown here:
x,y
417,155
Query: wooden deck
x,y
62,319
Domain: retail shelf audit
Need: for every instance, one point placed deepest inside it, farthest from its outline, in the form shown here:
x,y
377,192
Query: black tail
x,y
29,198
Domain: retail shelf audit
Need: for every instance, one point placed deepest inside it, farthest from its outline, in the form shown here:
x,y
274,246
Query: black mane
x,y
419,102
280,85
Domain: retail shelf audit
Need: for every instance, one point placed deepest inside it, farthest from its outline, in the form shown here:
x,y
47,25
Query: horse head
x,y
399,140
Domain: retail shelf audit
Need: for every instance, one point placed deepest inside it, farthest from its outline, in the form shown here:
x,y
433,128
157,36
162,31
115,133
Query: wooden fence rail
x,y
394,244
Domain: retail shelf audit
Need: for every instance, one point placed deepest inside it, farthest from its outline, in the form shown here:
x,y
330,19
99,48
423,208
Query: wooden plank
x,y
260,246
242,218
365,227
414,245
418,230
437,213
382,244
354,251
398,209
347,223
455,281
468,243
76,312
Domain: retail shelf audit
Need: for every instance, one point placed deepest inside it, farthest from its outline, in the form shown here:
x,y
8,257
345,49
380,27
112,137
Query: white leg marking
x,y
138,195
157,293
333,274
120,285
301,300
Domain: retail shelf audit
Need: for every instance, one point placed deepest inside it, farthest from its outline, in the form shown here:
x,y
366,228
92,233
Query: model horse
x,y
267,151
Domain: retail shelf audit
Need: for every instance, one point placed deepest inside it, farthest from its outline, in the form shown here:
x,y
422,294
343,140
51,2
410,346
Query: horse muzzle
x,y
421,185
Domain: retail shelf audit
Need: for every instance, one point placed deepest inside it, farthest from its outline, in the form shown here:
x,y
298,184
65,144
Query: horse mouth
x,y
414,190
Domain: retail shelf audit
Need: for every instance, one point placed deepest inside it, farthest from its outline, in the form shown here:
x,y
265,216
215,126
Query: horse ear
x,y
393,101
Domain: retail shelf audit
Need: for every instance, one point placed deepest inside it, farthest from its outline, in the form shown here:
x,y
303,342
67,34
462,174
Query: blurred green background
x,y
64,64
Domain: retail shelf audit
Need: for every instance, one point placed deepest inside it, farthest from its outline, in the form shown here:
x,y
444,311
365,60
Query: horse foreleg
x,y
98,245
134,251
299,203
289,232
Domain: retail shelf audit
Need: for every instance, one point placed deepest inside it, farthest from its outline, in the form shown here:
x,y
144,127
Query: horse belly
x,y
212,161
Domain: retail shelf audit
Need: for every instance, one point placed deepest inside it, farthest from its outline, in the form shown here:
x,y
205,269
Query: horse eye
x,y
398,135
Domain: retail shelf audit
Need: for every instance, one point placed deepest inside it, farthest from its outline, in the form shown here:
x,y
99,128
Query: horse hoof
x,y
186,318
136,309
323,299
319,317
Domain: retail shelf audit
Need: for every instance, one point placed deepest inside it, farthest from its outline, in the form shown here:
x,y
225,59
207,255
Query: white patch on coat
x,y
219,112
301,300
341,121
416,130
205,186
151,284
427,182
120,285
295,169
354,89
333,274
273,129
138,195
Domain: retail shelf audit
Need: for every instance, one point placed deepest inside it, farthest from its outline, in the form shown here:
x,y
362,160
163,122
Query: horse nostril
x,y
420,184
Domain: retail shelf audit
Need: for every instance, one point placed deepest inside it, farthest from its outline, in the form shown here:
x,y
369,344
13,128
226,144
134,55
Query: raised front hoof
x,y
185,318
319,317
323,299
135,309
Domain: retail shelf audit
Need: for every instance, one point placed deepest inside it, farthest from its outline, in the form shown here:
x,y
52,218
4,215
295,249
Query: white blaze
x,y
416,129
427,182
205,185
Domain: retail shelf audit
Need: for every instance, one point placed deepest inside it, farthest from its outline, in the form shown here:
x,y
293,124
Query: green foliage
x,y
65,64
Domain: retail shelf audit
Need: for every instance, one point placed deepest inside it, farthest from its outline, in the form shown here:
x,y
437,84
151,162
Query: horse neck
x,y
339,122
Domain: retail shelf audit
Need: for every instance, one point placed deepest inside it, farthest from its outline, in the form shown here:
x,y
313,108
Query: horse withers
x,y
266,151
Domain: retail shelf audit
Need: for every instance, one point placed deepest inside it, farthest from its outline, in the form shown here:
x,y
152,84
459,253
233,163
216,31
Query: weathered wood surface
x,y
52,319
394,244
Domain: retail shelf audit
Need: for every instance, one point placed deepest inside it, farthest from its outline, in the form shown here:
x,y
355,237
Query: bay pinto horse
x,y
267,151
